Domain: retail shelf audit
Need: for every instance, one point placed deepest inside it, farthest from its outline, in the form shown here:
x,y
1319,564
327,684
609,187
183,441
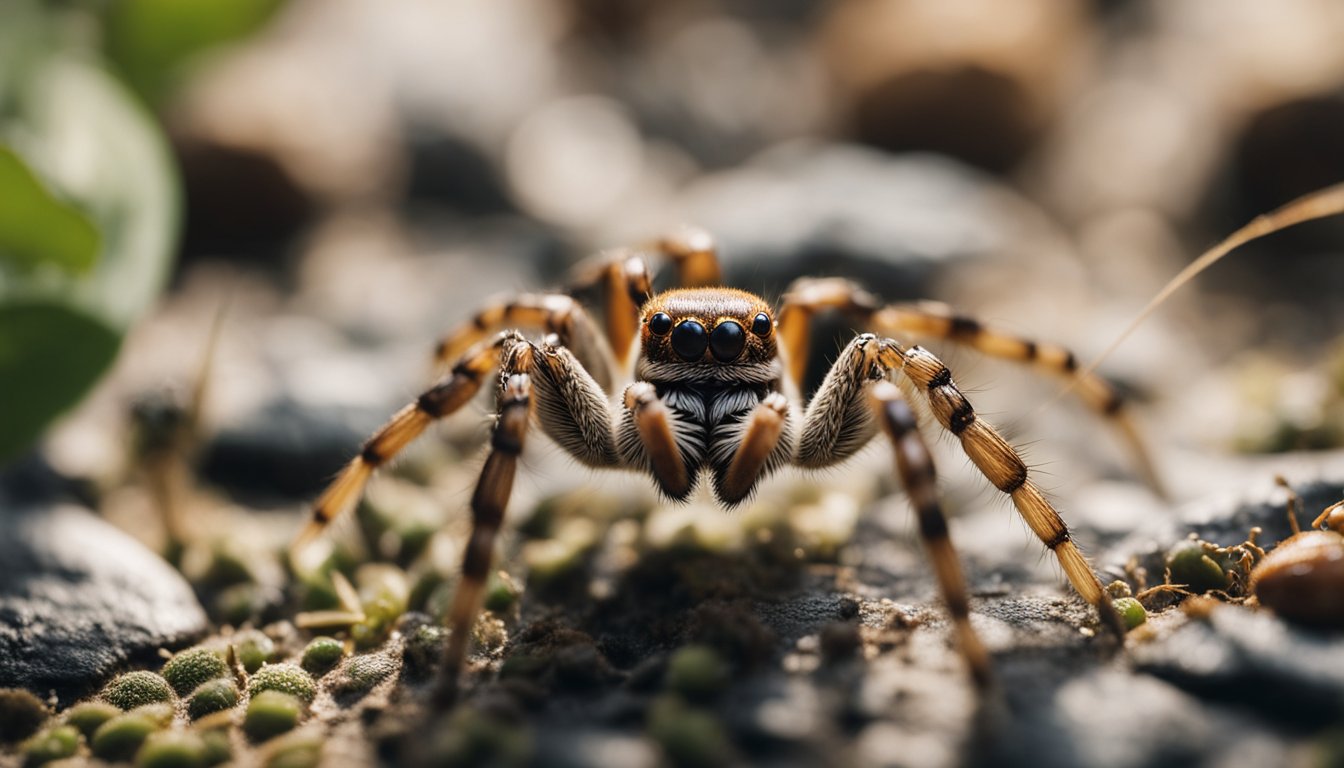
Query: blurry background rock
x,y
357,177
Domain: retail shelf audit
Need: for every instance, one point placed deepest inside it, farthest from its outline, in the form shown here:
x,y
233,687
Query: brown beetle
x,y
1302,579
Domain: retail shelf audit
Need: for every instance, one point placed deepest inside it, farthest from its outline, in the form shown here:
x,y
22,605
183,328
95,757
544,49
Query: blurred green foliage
x,y
89,198
152,41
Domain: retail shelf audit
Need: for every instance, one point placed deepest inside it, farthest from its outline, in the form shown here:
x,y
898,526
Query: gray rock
x,y
1256,661
81,600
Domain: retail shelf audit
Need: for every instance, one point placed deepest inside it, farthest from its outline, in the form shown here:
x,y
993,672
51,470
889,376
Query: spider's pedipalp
x,y
998,462
914,466
766,442
649,440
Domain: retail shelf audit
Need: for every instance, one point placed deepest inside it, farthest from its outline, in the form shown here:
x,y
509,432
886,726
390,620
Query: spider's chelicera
x,y
714,397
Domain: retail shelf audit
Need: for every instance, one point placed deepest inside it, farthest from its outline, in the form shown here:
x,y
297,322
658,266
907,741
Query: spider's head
x,y
704,329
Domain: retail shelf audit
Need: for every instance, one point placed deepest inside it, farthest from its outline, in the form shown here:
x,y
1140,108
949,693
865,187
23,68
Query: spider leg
x,y
806,297
554,313
650,438
998,462
488,503
915,467
626,281
451,392
838,421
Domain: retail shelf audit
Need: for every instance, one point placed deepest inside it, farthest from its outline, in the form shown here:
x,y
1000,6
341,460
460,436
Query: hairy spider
x,y
715,393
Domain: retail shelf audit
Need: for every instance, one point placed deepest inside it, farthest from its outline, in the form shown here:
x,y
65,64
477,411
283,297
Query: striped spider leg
x,y
712,396
808,296
988,451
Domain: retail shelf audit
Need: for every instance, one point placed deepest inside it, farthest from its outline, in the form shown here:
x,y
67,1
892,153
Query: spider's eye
x,y
761,325
726,341
689,340
660,323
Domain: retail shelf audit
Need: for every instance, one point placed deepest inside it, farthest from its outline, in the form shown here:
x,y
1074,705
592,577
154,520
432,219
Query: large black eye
x,y
689,340
761,325
660,323
726,342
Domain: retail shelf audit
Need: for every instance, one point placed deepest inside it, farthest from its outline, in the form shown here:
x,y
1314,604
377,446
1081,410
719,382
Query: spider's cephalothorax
x,y
709,355
715,393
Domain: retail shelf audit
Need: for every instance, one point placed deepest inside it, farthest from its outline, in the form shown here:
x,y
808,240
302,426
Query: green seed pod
x,y
271,713
87,717
1131,611
212,696
696,672
287,678
54,744
171,749
21,714
1191,566
322,654
135,689
361,673
120,737
188,669
253,649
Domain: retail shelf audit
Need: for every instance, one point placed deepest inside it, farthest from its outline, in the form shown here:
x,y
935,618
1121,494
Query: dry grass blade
x,y
1316,205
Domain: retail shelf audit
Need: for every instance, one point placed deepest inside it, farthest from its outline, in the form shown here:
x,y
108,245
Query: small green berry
x,y
21,714
287,678
271,713
188,669
361,673
322,654
120,737
1131,611
135,689
53,744
89,715
212,696
1191,566
253,649
696,672
171,749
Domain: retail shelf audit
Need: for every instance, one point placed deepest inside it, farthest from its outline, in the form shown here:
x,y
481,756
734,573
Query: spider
x,y
715,396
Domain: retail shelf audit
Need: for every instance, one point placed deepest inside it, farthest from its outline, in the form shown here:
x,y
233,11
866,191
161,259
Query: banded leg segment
x,y
998,462
553,313
440,400
626,283
914,466
488,503
807,297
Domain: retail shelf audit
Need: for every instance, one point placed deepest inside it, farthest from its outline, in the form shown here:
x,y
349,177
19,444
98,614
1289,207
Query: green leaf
x,y
35,227
49,355
84,135
151,40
